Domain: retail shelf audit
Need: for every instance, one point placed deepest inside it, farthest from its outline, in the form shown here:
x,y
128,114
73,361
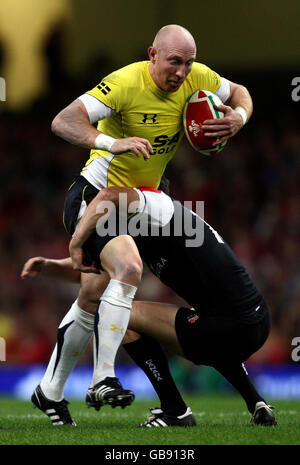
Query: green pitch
x,y
220,421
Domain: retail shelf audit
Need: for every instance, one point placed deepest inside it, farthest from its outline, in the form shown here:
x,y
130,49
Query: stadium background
x,y
51,52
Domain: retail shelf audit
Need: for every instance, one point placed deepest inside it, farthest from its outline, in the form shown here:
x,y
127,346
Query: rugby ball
x,y
199,107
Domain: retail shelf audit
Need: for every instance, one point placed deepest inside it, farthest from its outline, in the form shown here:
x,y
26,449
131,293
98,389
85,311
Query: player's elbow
x,y
238,90
70,120
56,125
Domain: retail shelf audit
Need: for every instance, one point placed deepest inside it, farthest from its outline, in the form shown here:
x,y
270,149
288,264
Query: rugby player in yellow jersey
x,y
139,111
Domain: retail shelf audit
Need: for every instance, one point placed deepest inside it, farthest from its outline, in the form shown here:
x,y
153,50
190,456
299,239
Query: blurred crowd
x,y
251,192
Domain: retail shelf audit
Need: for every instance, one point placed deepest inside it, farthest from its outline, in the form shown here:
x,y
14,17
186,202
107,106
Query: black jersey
x,y
209,277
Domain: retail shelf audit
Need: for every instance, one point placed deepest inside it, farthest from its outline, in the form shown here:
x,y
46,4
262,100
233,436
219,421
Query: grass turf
x,y
220,421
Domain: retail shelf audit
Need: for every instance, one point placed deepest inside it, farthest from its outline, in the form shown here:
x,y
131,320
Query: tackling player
x,y
229,322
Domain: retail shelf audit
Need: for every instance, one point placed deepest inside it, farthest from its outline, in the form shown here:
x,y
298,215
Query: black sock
x,y
149,356
238,377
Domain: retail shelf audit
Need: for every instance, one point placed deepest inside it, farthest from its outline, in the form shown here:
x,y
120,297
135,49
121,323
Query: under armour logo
x,y
150,118
116,328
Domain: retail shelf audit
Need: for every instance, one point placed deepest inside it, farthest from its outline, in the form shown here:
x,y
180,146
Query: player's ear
x,y
152,53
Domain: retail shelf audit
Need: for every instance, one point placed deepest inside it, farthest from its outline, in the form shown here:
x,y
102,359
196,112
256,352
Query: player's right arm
x,y
54,268
73,125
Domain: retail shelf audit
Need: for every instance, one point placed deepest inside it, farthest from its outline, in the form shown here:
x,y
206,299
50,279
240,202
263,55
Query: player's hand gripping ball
x,y
200,107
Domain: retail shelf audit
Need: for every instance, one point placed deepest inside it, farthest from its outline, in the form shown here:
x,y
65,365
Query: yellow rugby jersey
x,y
142,110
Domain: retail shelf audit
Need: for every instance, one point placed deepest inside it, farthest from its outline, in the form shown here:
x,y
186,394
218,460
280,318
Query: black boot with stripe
x,y
57,411
159,419
263,415
109,391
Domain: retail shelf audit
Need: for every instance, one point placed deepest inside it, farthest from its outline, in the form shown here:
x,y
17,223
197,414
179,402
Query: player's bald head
x,y
171,57
174,35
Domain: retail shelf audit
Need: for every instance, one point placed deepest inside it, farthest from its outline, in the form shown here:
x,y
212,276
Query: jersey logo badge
x,y
195,128
114,327
192,319
149,118
104,88
160,266
157,267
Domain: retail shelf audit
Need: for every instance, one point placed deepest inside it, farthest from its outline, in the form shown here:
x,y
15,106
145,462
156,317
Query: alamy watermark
x,y
160,217
2,350
2,90
295,355
296,91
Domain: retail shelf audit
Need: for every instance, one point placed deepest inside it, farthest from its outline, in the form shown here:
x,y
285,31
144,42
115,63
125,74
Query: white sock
x,y
110,327
74,334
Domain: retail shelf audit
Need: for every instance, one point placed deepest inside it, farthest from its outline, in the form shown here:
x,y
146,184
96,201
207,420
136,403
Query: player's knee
x,y
121,259
130,271
130,336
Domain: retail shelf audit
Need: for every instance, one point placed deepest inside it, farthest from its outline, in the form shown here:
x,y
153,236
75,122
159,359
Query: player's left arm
x,y
49,267
237,111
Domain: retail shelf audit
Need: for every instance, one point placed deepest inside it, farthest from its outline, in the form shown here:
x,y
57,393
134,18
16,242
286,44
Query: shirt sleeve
x,y
205,78
95,109
223,92
110,91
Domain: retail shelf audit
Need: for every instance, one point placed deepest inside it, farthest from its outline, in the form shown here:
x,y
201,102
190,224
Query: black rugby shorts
x,y
81,190
207,339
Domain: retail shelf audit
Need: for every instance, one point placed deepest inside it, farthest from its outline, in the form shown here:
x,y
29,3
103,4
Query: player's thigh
x,y
92,287
156,320
121,259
